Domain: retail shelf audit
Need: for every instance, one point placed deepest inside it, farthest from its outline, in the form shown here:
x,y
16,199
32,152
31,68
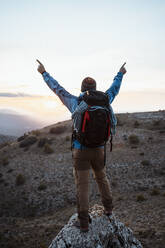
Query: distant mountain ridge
x,y
15,124
7,138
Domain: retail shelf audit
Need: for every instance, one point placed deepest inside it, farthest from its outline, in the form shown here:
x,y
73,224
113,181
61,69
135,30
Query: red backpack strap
x,y
86,118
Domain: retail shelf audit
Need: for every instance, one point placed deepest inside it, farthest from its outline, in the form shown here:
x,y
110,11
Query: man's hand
x,y
122,69
41,68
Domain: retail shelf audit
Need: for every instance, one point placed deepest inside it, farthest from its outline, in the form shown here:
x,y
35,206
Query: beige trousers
x,y
83,160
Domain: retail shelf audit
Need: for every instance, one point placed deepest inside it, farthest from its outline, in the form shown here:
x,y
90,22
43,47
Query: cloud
x,y
8,94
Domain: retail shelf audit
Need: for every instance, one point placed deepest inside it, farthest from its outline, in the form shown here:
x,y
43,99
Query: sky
x,y
75,39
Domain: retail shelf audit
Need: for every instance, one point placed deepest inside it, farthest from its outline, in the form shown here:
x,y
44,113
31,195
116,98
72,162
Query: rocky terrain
x,y
104,232
37,192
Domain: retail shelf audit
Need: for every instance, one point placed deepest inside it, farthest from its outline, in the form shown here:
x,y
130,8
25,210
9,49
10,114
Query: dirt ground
x,y
34,211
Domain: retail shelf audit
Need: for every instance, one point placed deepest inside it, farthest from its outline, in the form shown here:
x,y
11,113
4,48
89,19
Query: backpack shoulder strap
x,y
80,99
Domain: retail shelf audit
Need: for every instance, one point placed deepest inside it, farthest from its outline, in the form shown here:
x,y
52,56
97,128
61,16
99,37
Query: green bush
x,y
20,179
133,139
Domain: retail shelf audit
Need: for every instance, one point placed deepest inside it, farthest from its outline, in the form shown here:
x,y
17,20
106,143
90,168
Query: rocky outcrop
x,y
104,232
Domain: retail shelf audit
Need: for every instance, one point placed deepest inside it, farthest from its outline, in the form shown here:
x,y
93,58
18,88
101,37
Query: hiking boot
x,y
83,228
108,212
83,221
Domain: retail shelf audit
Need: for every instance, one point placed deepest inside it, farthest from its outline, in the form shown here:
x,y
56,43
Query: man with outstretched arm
x,y
84,157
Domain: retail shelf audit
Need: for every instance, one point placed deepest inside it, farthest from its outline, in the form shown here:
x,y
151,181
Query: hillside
x,y
37,192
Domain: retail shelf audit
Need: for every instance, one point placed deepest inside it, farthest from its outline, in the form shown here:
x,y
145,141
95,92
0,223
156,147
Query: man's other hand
x,y
122,69
41,68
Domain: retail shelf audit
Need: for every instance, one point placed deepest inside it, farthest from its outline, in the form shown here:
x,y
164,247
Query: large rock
x,y
104,232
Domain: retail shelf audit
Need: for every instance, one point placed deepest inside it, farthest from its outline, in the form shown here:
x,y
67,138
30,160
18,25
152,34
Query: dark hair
x,y
88,84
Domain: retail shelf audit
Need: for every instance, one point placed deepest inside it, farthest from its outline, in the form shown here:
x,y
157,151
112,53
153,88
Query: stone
x,y
104,232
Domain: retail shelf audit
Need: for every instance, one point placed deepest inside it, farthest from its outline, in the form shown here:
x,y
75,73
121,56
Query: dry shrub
x,y
42,186
156,123
162,131
119,121
133,139
140,198
145,162
67,138
28,141
20,179
136,124
42,141
155,191
22,137
36,132
57,130
43,245
114,183
120,198
4,160
48,149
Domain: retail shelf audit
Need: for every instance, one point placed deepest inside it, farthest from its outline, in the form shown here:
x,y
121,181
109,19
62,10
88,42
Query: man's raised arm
x,y
115,87
70,101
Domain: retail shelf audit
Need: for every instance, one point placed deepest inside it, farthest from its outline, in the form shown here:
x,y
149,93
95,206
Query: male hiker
x,y
84,156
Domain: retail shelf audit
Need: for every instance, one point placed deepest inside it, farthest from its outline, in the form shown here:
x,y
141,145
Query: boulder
x,y
104,232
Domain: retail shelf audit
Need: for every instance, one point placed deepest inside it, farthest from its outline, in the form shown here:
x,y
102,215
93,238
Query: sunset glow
x,y
75,39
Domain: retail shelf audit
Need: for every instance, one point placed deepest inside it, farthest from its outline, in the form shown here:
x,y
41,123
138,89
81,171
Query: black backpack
x,y
95,124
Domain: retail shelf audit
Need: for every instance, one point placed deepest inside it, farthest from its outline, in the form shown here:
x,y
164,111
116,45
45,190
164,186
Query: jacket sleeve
x,y
115,87
70,101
